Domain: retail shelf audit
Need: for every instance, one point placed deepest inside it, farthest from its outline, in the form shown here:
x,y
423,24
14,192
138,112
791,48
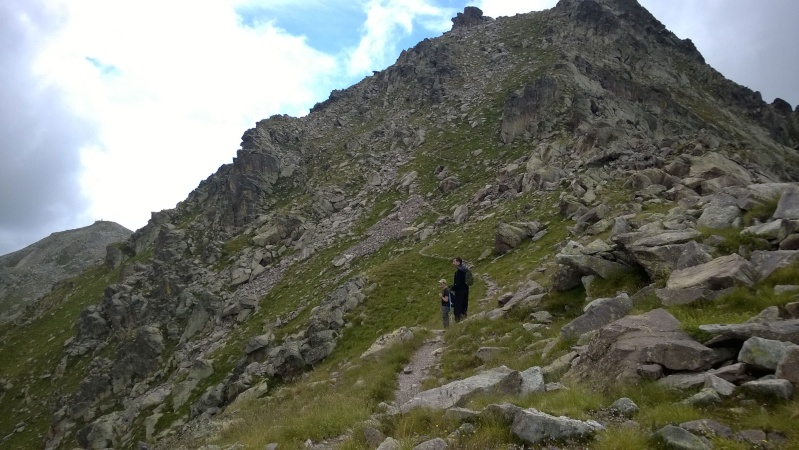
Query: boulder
x,y
674,297
680,438
709,428
766,262
774,230
720,217
503,413
432,444
682,381
713,165
788,367
459,415
776,389
460,214
458,392
763,353
624,407
390,444
720,385
508,237
533,427
532,380
734,373
788,206
720,273
651,338
781,330
704,397
660,261
598,313
573,255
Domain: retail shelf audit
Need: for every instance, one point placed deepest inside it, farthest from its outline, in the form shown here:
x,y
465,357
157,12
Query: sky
x,y
113,109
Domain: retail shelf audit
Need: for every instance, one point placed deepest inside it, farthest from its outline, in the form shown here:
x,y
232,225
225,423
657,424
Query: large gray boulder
x,y
573,255
708,427
679,438
720,217
651,338
777,389
766,262
598,313
788,206
458,392
788,367
763,353
721,273
659,261
713,165
532,381
509,235
533,427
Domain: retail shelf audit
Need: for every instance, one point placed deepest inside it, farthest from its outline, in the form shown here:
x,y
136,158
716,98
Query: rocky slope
x,y
572,147
28,274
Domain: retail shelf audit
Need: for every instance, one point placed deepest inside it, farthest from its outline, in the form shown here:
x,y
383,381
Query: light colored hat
x,y
442,281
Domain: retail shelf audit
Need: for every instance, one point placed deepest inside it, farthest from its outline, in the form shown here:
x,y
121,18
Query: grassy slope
x,y
29,355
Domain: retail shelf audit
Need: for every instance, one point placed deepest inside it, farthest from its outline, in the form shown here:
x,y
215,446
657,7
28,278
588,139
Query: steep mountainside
x,y
568,155
27,274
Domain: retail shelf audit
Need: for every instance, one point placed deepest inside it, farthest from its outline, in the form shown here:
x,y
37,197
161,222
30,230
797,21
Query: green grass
x,y
324,404
734,240
737,306
761,212
31,350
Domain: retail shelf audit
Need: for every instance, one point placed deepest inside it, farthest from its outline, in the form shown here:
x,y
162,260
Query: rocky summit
x,y
630,215
27,274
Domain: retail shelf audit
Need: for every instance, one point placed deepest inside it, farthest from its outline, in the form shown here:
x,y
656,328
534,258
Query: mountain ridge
x,y
536,136
29,273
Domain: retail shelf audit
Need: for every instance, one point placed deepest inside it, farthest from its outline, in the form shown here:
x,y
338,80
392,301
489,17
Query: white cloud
x,y
500,8
386,22
185,80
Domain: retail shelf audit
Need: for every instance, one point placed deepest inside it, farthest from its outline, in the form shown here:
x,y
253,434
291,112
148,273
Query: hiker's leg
x,y
445,315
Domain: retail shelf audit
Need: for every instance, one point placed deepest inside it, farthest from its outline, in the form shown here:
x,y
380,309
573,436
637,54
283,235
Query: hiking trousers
x,y
445,315
460,304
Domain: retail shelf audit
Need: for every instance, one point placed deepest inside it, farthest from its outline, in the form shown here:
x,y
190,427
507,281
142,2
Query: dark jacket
x,y
445,297
459,281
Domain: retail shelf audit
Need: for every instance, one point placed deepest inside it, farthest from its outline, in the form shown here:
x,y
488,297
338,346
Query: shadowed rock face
x,y
470,17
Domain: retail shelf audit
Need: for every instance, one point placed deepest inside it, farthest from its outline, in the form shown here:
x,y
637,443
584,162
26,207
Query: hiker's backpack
x,y
469,277
451,295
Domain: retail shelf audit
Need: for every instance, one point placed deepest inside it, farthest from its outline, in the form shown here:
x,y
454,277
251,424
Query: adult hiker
x,y
460,287
446,301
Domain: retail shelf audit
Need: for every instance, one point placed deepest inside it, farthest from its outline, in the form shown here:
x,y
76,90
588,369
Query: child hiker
x,y
446,301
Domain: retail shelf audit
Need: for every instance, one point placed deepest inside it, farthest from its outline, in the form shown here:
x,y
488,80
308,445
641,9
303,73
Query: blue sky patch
x,y
104,68
327,28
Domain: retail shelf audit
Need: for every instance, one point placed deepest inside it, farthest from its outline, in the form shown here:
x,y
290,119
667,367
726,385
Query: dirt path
x,y
426,359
